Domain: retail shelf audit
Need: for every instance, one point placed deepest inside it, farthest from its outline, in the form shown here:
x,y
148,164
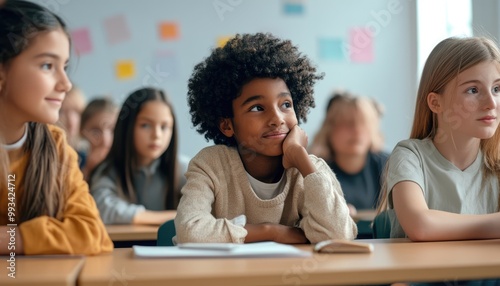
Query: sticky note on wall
x,y
169,31
293,7
331,49
81,41
221,41
116,29
165,66
361,45
125,69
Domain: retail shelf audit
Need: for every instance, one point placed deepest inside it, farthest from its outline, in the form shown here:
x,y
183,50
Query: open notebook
x,y
258,249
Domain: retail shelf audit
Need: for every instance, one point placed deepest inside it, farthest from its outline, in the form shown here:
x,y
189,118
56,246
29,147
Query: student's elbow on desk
x,y
84,236
340,230
420,228
186,231
419,235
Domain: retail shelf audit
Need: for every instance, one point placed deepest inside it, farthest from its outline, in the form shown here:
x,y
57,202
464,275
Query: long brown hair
x,y
448,59
122,156
43,193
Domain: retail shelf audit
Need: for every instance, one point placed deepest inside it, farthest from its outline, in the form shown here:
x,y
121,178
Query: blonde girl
x,y
350,141
443,182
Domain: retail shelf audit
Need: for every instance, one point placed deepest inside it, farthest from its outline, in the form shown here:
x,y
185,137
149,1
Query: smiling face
x,y
469,106
263,116
152,131
35,83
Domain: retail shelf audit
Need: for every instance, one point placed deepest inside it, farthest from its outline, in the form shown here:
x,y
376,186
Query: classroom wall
x,y
386,71
485,20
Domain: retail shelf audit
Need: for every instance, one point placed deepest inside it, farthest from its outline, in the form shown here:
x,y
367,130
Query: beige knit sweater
x,y
218,190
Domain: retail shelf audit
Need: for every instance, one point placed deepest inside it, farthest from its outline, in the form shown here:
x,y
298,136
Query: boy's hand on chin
x,y
296,140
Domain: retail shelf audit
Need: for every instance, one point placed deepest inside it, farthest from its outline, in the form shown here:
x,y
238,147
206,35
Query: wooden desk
x,y
366,215
392,261
50,270
132,232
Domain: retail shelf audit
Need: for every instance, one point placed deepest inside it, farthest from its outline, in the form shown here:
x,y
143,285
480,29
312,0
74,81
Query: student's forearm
x,y
301,160
435,225
153,217
274,232
423,224
258,232
10,240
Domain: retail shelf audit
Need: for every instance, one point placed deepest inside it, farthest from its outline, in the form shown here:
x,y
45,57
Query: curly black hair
x,y
219,79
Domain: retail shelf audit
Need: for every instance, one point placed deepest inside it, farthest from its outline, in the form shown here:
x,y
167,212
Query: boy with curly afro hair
x,y
258,183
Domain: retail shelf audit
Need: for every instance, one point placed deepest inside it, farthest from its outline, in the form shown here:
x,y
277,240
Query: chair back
x,y
382,226
165,234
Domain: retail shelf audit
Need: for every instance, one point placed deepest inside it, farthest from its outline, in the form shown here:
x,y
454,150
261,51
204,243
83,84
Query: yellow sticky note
x,y
221,41
169,31
125,69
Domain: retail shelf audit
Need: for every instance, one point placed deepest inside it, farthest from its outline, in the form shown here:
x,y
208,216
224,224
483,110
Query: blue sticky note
x,y
293,8
331,49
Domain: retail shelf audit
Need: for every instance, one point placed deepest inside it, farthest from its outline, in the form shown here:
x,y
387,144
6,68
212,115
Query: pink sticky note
x,y
81,41
116,29
361,45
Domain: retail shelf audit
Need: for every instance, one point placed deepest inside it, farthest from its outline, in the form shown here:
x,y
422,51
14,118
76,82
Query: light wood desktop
x,y
49,270
366,215
127,232
391,261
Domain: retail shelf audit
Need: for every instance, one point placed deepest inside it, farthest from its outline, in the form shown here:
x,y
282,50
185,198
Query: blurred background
x,y
374,48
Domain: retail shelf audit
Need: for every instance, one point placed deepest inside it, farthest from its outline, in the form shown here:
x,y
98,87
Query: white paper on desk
x,y
258,249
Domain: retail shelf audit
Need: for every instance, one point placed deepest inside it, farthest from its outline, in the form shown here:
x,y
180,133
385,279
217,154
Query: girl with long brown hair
x,y
139,181
45,205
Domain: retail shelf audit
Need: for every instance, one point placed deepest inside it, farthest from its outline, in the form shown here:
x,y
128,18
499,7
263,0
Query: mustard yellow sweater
x,y
218,190
80,231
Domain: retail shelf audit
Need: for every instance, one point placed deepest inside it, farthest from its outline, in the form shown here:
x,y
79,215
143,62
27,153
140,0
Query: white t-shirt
x,y
444,186
267,191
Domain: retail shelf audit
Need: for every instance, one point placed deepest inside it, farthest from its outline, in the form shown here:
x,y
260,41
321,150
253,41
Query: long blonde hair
x,y
336,108
448,59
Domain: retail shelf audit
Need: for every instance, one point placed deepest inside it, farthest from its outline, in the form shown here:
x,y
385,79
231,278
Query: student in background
x,y
443,182
97,127
350,142
258,182
42,189
69,119
140,179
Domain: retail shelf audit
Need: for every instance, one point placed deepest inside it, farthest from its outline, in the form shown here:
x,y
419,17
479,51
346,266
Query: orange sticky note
x,y
221,41
125,69
169,31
